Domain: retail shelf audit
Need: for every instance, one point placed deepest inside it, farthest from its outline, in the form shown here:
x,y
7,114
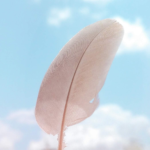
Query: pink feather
x,y
76,76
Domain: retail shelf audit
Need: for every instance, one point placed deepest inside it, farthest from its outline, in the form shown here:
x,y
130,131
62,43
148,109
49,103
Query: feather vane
x,y
76,76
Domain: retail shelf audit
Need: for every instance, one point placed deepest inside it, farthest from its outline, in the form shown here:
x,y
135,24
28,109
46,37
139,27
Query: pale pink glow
x,y
76,76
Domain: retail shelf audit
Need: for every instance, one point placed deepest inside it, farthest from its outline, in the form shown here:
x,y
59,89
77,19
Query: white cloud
x,y
8,137
149,131
57,16
98,1
84,11
23,116
110,128
91,14
97,16
135,37
37,1
46,141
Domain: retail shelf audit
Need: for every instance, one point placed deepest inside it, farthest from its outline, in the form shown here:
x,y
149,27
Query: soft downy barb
x,y
76,76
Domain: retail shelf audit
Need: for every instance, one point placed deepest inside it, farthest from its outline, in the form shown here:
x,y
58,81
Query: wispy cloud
x,y
36,1
98,1
46,142
84,11
23,116
135,37
110,128
57,16
8,137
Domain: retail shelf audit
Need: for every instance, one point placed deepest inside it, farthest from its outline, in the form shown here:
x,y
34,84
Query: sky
x,y
32,32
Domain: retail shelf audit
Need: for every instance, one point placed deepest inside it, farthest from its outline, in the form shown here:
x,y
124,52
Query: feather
x,y
76,76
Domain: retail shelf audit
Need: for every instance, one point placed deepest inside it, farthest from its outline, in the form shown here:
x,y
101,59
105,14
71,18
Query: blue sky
x,y
32,32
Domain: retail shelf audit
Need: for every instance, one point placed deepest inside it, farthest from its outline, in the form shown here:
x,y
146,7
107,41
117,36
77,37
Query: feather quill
x,y
76,76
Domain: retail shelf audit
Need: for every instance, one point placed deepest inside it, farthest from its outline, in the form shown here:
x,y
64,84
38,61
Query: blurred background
x,y
32,32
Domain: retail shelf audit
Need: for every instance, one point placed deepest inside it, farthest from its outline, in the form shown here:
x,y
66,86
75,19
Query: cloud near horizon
x,y
109,128
24,116
8,137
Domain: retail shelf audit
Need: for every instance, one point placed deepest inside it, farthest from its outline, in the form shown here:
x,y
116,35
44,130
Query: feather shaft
x,y
76,76
60,147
